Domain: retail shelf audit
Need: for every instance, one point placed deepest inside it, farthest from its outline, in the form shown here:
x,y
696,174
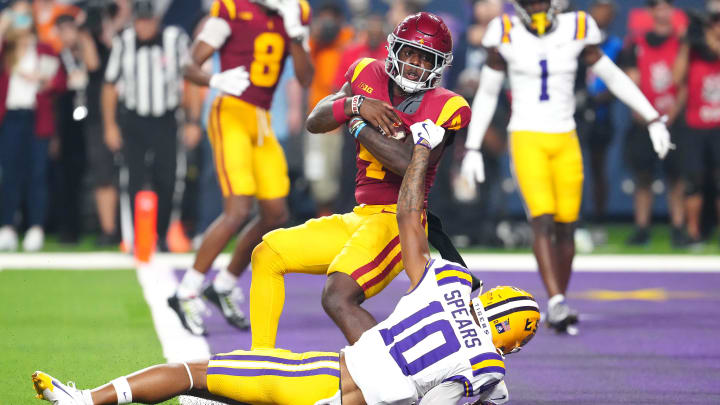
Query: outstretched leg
x,y
149,386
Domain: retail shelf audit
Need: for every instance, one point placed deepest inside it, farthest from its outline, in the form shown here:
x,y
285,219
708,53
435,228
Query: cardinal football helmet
x,y
424,31
513,316
539,22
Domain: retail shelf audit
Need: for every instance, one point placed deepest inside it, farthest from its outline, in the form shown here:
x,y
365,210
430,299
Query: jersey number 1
x,y
265,67
544,96
398,349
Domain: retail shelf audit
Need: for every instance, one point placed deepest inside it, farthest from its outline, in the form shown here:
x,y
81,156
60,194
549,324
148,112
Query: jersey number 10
x,y
544,96
398,349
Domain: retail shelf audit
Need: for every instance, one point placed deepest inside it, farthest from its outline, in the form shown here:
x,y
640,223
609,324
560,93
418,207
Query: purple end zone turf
x,y
658,346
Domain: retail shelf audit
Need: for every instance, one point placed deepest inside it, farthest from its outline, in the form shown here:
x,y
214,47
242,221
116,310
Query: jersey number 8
x,y
265,68
449,346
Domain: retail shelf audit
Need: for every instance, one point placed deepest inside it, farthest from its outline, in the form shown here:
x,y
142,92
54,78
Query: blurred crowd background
x,y
61,174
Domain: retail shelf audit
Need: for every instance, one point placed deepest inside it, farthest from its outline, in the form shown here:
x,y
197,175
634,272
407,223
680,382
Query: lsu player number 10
x,y
539,49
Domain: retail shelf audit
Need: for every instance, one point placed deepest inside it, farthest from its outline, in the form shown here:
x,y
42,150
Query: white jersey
x,y
429,340
542,69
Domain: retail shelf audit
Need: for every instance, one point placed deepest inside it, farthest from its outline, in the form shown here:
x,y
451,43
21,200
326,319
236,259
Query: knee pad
x,y
265,259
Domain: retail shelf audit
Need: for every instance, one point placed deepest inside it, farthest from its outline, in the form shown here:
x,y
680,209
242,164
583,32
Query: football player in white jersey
x,y
437,346
539,50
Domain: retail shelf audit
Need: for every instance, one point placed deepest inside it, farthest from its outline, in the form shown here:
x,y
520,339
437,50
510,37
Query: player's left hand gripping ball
x,y
660,137
291,13
427,134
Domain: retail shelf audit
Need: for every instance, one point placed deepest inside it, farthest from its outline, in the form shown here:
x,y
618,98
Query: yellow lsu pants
x,y
248,158
274,376
548,169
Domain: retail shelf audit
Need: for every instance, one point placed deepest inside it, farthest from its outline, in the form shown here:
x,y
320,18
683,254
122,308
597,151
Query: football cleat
x,y
189,311
513,316
57,393
227,302
562,318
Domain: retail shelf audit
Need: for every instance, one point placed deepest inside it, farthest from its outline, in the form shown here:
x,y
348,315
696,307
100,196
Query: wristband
x,y
356,125
424,142
356,103
338,109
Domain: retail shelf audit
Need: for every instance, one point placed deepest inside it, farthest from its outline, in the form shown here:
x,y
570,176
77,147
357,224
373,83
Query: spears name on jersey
x,y
374,184
430,338
257,41
542,69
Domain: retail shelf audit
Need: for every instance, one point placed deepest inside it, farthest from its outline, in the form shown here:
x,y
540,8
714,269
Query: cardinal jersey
x,y
655,64
374,184
703,105
257,41
542,69
428,339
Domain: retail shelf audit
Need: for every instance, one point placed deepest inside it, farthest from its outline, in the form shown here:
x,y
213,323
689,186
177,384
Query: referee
x,y
140,98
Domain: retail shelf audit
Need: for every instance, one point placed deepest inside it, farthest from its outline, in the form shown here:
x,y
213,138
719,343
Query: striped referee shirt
x,y
148,74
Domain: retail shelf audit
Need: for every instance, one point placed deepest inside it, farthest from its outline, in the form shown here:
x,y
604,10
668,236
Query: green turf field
x,y
60,322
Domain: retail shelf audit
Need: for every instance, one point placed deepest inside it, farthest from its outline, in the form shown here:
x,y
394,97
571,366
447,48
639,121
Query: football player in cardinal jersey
x,y
253,39
436,347
360,251
539,49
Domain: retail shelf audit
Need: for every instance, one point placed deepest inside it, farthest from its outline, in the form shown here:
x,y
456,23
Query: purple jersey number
x,y
544,96
451,344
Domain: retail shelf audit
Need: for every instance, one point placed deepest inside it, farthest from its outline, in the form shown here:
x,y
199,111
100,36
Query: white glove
x,y
473,168
234,81
660,137
290,12
427,133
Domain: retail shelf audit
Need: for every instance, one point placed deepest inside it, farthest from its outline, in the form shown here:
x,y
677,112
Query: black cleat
x,y
228,307
189,310
641,237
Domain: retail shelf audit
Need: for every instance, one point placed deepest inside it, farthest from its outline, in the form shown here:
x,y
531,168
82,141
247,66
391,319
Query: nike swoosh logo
x,y
499,399
425,128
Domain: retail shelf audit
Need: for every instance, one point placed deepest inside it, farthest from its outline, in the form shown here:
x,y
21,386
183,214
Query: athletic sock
x,y
122,389
555,299
267,295
87,397
225,281
190,285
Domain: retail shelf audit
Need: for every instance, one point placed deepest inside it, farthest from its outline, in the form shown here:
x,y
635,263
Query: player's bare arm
x,y
410,209
199,54
495,60
304,69
375,112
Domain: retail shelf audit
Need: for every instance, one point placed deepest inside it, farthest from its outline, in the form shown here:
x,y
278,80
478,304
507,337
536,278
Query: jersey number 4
x,y
427,333
265,67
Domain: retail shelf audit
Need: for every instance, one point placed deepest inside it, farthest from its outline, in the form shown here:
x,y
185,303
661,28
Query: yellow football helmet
x,y
513,315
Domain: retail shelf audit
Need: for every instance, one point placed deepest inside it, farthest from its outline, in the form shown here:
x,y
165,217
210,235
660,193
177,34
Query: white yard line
x,y
476,262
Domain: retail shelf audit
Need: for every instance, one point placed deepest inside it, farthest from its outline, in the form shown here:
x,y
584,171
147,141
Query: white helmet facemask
x,y
395,68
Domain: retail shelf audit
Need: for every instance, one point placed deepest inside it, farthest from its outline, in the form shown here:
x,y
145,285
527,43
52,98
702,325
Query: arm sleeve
x,y
594,36
623,88
493,34
215,32
114,65
447,393
484,104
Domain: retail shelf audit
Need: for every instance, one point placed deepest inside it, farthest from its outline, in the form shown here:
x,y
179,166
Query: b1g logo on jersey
x,y
660,77
364,87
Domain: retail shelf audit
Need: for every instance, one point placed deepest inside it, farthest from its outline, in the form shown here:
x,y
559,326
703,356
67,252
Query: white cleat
x,y
57,393
8,239
34,239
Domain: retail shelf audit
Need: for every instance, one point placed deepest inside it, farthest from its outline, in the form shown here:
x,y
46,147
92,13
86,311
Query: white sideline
x,y
158,282
476,262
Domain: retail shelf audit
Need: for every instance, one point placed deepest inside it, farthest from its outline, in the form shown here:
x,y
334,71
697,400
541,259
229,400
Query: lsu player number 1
x,y
265,67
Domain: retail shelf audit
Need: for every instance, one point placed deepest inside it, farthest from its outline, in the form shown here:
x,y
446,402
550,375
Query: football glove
x,y
234,81
660,137
473,168
428,134
292,19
